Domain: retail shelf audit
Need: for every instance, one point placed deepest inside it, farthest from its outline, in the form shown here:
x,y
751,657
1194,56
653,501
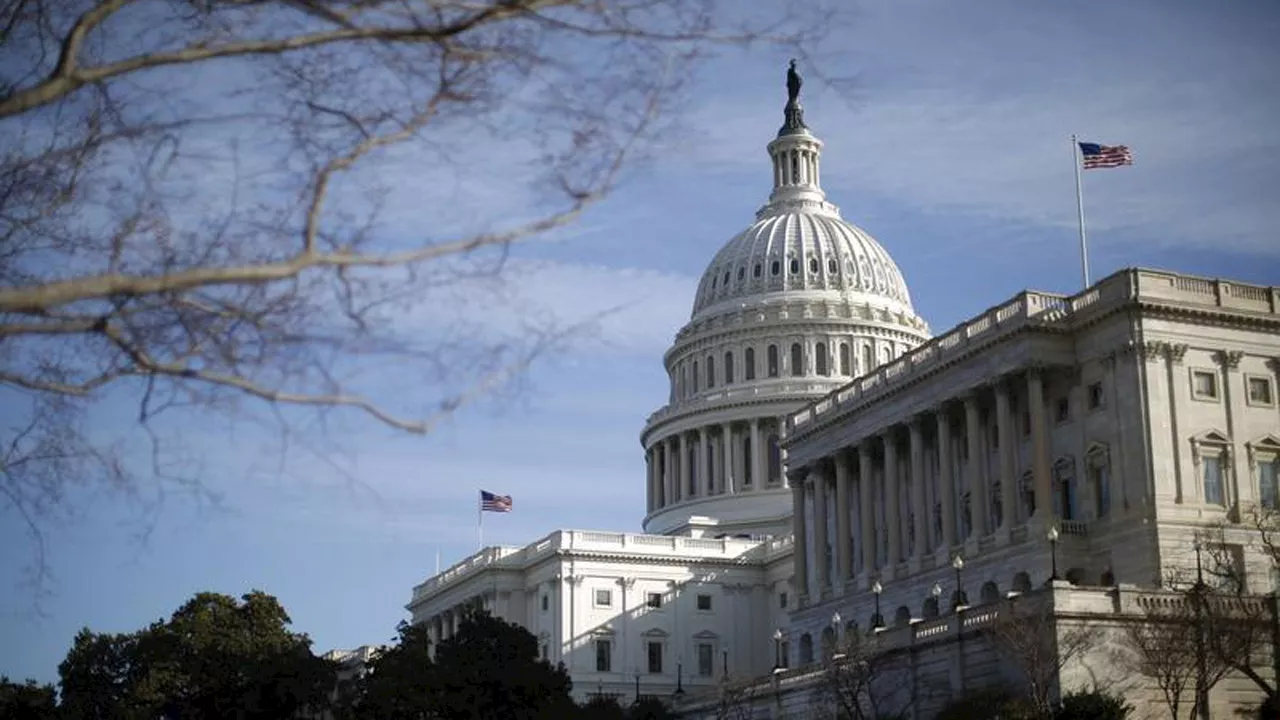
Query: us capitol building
x,y
822,457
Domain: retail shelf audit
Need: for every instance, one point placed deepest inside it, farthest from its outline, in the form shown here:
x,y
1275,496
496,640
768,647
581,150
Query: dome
x,y
803,253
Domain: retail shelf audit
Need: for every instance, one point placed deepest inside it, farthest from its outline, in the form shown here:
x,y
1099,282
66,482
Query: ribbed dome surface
x,y
813,253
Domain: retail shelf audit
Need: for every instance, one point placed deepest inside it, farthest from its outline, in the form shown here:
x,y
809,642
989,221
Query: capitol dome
x,y
798,305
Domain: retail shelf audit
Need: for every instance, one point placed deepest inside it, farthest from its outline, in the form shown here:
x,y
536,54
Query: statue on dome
x,y
794,81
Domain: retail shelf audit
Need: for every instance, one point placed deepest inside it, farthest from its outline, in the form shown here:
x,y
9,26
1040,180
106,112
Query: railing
x,y
1040,308
586,540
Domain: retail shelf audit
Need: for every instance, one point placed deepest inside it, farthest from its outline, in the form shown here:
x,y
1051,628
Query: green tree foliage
x,y
602,708
649,709
1092,706
27,701
216,657
489,669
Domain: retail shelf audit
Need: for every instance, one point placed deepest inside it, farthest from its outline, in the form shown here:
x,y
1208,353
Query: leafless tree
x,y
858,673
737,700
1040,644
191,196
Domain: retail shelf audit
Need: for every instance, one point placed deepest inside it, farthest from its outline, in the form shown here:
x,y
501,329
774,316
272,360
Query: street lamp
x,y
679,676
725,655
1052,535
957,562
777,649
877,622
835,635
936,592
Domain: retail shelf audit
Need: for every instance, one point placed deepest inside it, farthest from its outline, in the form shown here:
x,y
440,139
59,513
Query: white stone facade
x,y
808,402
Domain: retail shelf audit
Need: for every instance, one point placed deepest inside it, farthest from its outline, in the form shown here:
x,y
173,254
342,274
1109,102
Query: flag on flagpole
x,y
1104,156
490,502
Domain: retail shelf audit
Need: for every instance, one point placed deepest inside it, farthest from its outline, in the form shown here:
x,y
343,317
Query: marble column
x,y
867,509
1041,468
668,470
1008,456
893,495
682,485
757,457
820,535
704,461
800,555
649,466
842,522
978,502
726,448
917,487
946,480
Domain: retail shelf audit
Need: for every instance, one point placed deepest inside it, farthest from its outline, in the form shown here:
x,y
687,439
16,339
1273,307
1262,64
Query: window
x,y
1064,489
546,602
1268,491
1063,410
844,359
756,271
604,656
604,598
706,659
772,359
831,266
711,372
782,600
653,600
1212,471
704,602
1095,396
742,274
820,357
786,653
655,657
775,268
794,266
728,368
1100,482
813,265
749,364
797,360
1259,391
1204,384
866,360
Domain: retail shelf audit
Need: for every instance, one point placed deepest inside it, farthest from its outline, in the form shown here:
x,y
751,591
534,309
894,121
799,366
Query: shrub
x,y
1092,705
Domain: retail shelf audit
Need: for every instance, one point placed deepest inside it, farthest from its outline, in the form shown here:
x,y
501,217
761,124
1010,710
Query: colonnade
x,y
903,498
722,459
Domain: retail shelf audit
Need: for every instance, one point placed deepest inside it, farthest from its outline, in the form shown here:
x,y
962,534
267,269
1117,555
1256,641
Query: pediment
x,y
1097,448
654,632
1266,442
706,635
1211,437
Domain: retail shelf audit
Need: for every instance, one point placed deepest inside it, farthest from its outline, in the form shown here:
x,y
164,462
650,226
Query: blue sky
x,y
949,144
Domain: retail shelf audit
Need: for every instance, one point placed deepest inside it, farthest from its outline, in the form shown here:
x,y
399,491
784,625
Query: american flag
x,y
490,502
1104,156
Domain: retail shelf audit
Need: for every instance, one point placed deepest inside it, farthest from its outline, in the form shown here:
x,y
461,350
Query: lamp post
x,y
637,685
1052,535
777,649
836,620
725,654
1202,673
679,677
957,562
877,622
936,592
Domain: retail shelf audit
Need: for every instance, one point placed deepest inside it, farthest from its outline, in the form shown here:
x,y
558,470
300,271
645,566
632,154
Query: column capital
x,y
1174,352
1274,364
1228,359
796,476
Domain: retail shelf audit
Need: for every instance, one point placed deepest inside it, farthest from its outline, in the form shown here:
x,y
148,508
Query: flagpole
x,y
480,524
1084,245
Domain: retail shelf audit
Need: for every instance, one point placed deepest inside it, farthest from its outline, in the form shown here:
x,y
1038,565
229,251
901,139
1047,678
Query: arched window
x,y
775,268
866,359
772,360
820,357
813,265
775,460
902,616
797,360
806,649
711,372
695,376
1064,489
1022,582
756,271
831,266
749,364
844,359
990,592
728,368
930,609
795,266
1098,467
742,273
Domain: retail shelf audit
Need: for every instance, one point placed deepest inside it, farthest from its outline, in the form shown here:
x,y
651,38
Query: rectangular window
x,y
1204,384
1064,410
706,659
1260,391
655,658
653,600
704,602
545,603
604,598
782,600
1213,479
771,360
1268,492
604,656
1100,477
1095,396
